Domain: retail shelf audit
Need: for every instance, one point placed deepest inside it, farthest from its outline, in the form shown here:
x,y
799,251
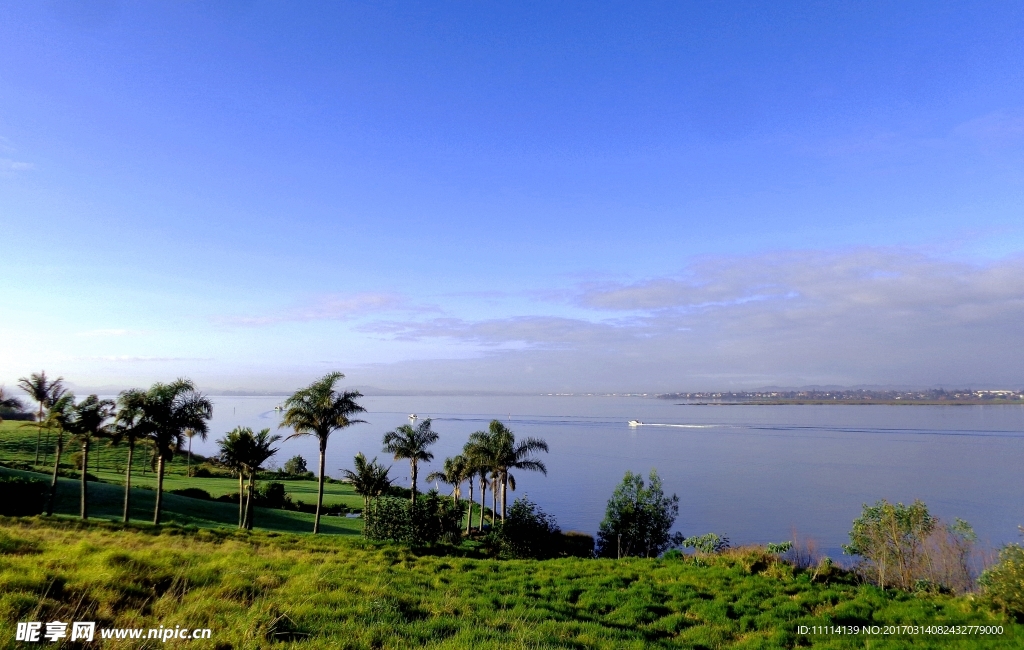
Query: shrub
x,y
430,520
1003,584
193,493
22,497
272,495
638,519
708,543
576,544
528,532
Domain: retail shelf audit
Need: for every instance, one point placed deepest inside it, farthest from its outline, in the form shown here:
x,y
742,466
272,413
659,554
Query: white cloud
x,y
329,307
8,165
884,316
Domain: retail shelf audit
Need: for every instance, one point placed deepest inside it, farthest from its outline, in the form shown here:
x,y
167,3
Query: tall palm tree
x,y
173,409
89,420
234,449
131,424
454,472
45,393
319,410
480,453
260,451
58,417
408,443
509,455
369,479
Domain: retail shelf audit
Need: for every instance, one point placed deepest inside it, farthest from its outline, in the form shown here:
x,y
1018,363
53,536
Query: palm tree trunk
x,y
494,499
241,499
469,517
84,510
188,470
504,489
39,431
413,491
159,487
249,501
128,481
320,487
483,493
53,484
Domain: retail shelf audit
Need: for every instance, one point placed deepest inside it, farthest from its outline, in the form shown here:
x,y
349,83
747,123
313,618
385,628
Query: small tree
x,y
638,519
295,465
891,538
1003,584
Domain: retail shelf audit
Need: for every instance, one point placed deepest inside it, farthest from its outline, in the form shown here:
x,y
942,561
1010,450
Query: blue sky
x,y
591,196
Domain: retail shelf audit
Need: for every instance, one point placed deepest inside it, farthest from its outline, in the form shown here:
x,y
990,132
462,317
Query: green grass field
x,y
106,498
282,590
18,443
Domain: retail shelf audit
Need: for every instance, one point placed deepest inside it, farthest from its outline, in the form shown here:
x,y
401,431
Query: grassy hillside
x,y
107,502
106,498
342,592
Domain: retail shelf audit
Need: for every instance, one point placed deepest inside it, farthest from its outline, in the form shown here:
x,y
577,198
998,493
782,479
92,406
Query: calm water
x,y
755,473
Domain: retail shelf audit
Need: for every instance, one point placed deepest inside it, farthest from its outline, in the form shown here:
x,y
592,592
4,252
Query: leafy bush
x,y
707,544
272,495
193,493
22,497
638,519
430,520
207,470
528,532
576,544
1003,584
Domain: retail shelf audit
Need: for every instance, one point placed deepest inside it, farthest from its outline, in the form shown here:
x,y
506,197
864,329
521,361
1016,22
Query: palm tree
x,y
58,416
480,454
319,410
260,451
173,409
234,449
408,443
455,471
369,480
45,392
509,455
8,402
131,424
89,420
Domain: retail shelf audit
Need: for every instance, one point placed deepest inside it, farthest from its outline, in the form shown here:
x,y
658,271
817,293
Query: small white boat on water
x,y
635,423
413,417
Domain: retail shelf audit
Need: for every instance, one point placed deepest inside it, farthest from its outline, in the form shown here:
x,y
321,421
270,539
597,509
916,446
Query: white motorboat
x,y
635,423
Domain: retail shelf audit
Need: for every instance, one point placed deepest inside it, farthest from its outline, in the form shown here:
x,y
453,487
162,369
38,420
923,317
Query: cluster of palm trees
x,y
489,457
159,417
166,415
245,452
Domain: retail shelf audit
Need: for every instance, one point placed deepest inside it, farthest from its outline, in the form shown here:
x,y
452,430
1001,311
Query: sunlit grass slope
x,y
263,589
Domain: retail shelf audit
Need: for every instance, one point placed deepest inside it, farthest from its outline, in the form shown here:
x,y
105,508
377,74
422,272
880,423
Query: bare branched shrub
x,y
804,554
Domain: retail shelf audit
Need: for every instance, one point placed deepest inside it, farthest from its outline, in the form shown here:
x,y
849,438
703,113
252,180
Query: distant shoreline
x,y
895,402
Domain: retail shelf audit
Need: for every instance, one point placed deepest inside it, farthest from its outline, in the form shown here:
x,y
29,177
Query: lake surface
x,y
754,473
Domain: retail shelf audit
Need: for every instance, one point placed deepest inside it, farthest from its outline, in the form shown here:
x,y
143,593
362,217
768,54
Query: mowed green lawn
x,y
106,498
